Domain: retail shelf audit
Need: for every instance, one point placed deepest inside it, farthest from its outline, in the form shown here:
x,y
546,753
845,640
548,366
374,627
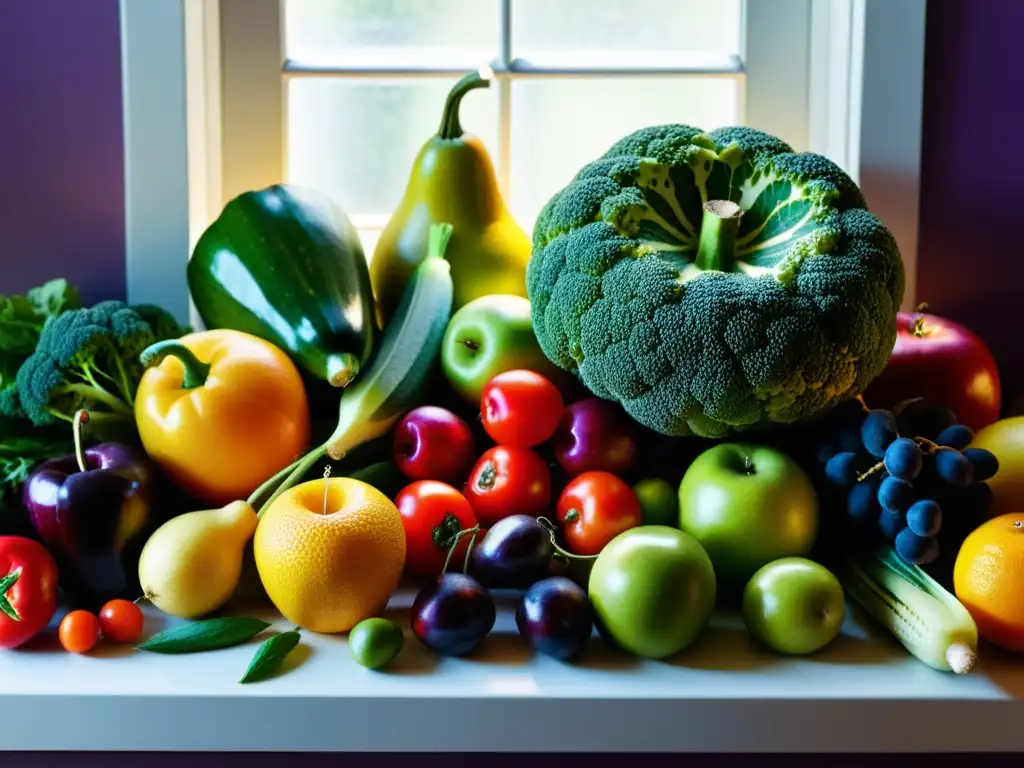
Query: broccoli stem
x,y
96,394
196,371
451,128
716,249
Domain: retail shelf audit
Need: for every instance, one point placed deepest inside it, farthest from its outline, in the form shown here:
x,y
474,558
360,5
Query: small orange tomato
x,y
121,621
79,631
594,508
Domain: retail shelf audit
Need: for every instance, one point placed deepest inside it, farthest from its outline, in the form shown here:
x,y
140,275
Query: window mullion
x,y
504,84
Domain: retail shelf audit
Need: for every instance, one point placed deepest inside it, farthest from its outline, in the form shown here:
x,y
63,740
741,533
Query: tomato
x,y
594,508
432,513
520,408
121,621
79,631
507,481
28,590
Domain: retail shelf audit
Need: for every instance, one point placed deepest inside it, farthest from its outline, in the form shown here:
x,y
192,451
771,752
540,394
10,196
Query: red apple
x,y
943,362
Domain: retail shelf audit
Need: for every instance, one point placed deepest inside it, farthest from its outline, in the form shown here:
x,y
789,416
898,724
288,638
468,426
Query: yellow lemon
x,y
1005,439
330,553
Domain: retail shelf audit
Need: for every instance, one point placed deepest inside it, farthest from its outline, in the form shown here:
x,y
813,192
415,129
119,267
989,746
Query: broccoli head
x,y
714,283
88,358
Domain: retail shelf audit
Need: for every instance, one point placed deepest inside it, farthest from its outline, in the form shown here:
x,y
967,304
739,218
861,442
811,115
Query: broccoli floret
x,y
714,283
87,358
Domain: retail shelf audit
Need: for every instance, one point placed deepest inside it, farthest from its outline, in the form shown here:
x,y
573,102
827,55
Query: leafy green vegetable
x,y
22,319
88,358
714,283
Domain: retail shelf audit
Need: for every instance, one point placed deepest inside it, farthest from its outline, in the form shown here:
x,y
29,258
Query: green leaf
x,y
270,655
205,635
6,583
53,297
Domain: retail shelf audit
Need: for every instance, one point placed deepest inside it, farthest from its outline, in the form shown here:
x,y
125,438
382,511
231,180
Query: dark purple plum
x,y
596,435
555,617
514,553
453,614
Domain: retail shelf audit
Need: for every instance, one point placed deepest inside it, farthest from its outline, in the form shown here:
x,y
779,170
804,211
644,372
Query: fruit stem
x,y
469,551
341,369
327,485
455,543
552,532
918,327
716,249
81,417
451,128
196,371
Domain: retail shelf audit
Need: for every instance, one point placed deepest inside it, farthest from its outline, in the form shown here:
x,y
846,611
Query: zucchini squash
x,y
285,264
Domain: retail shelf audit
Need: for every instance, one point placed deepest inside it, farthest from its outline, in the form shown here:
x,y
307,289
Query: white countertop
x,y
864,693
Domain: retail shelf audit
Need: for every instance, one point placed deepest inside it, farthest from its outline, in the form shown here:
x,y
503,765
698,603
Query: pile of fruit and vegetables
x,y
691,390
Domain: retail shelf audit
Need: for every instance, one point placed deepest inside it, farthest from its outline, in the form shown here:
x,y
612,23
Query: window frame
x,y
204,98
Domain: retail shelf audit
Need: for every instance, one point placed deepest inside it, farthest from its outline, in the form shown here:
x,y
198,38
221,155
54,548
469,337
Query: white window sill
x,y
864,693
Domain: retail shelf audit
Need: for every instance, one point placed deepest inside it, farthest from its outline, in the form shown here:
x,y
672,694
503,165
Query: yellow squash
x,y
452,181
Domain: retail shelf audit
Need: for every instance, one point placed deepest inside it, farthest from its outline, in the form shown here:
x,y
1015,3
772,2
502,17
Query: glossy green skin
x,y
794,606
375,642
653,589
659,502
286,264
743,517
487,336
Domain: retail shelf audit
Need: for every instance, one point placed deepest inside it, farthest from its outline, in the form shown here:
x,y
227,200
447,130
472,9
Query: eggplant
x,y
285,263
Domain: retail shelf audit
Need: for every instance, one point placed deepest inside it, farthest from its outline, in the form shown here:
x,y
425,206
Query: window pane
x,y
638,25
560,125
379,29
356,139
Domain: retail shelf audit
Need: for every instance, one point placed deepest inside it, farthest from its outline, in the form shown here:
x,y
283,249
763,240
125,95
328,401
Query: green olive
x,y
375,642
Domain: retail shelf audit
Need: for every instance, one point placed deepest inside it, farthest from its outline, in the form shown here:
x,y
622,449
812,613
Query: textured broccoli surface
x,y
87,358
706,318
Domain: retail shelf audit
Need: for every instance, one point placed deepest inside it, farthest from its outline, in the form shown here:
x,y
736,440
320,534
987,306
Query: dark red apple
x,y
432,443
92,510
943,362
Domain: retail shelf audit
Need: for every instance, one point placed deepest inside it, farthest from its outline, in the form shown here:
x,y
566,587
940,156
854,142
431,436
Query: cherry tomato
x,y
594,508
432,513
121,621
508,481
79,631
521,408
432,443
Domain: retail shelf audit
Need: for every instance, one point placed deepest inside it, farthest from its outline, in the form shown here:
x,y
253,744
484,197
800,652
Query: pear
x,y
452,180
192,564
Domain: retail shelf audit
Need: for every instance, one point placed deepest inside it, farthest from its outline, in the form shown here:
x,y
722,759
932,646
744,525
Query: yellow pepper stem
x,y
196,371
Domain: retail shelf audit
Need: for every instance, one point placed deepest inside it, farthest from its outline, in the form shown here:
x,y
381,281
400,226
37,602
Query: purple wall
x,y
971,261
61,163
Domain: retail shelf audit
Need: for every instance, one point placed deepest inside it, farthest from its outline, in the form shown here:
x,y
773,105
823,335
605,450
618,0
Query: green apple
x,y
659,503
652,589
794,606
748,505
488,336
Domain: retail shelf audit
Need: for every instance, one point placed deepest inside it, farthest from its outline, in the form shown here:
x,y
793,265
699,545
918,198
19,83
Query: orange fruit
x,y
1005,439
328,562
988,578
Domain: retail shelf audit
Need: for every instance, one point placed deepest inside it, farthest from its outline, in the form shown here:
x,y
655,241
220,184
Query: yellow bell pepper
x,y
221,411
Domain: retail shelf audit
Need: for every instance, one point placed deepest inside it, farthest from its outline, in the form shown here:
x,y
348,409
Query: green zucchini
x,y
397,379
286,264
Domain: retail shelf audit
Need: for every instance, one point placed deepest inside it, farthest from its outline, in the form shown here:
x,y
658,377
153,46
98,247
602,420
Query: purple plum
x,y
596,435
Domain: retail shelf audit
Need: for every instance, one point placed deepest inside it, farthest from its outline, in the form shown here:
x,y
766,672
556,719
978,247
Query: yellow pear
x,y
191,564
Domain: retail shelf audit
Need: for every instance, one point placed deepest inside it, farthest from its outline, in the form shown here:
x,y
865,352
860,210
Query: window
x,y
222,96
